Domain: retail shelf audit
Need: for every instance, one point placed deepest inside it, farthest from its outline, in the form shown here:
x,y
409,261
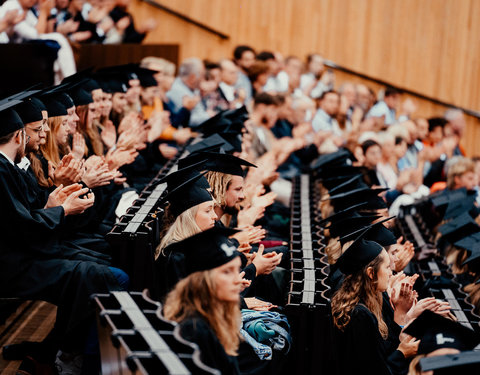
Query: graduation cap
x,y
340,170
375,232
352,183
10,121
186,188
436,332
469,242
124,72
467,362
206,250
351,223
54,107
59,93
461,226
215,124
237,114
234,139
349,198
212,143
79,96
359,254
462,204
339,157
146,77
30,110
111,80
331,182
343,213
441,199
216,162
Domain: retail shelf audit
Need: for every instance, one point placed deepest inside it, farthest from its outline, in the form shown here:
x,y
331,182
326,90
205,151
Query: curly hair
x,y
196,294
359,288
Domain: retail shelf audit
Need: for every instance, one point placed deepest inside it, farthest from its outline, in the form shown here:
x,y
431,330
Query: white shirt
x,y
24,163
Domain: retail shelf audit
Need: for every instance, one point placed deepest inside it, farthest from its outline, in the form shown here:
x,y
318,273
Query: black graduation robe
x,y
198,331
361,349
33,264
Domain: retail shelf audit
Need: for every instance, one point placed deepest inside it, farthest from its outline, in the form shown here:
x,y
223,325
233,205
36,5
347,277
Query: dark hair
x,y
265,55
264,98
367,144
258,68
280,99
240,50
391,91
435,122
324,94
209,65
4,139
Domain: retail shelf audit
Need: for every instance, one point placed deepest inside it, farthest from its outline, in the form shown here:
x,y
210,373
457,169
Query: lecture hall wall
x,y
428,46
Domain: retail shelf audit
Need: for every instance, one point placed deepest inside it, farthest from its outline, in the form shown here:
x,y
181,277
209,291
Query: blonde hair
x,y
359,288
219,183
414,367
333,250
183,227
457,169
167,67
50,149
196,294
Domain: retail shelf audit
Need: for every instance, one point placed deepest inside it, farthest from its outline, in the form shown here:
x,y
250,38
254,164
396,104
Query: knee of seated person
x,y
121,276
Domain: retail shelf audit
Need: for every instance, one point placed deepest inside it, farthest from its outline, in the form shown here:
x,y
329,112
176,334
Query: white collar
x,y
24,163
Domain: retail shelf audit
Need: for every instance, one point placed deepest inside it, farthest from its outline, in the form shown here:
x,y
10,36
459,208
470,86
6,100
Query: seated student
x,y
34,263
206,302
439,336
190,211
225,177
361,332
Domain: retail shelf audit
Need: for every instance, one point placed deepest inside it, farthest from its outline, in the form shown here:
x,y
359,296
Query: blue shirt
x,y
179,90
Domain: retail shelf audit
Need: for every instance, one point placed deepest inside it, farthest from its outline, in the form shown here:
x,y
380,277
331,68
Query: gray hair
x,y
189,66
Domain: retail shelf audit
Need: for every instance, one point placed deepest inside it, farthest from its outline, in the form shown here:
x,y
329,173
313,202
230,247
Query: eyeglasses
x,y
27,137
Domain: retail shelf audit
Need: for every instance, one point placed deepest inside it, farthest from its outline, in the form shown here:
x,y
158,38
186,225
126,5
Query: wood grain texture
x,y
428,46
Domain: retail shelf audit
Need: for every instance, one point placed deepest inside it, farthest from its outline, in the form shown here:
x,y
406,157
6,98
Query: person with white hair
x,y
185,91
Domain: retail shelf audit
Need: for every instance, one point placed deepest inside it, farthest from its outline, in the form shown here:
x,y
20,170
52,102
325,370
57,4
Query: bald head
x,y
228,72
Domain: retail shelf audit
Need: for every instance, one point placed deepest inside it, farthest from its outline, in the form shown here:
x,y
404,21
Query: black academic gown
x,y
361,349
34,265
198,331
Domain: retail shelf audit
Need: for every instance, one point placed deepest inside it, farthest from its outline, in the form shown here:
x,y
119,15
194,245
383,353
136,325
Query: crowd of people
x,y
75,156
59,24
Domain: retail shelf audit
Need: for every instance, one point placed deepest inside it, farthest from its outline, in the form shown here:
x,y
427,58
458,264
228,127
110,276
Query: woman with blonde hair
x,y
190,211
206,302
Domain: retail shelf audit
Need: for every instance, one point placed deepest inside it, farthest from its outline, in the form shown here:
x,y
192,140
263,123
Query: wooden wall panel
x,y
428,46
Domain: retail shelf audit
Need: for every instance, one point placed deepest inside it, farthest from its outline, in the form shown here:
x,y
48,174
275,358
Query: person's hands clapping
x,y
408,345
69,171
60,194
266,263
78,146
120,156
77,202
